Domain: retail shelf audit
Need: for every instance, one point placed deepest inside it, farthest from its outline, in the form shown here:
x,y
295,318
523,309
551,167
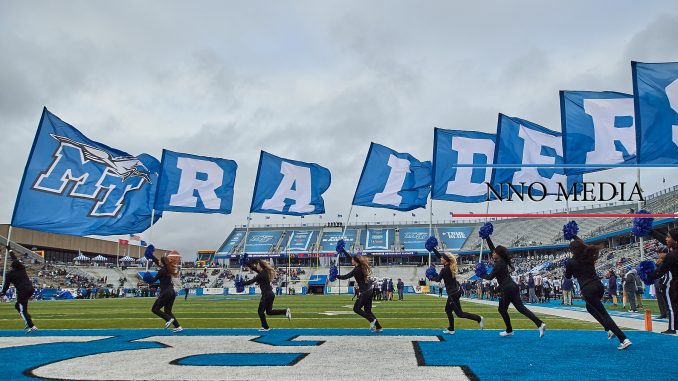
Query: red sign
x,y
123,242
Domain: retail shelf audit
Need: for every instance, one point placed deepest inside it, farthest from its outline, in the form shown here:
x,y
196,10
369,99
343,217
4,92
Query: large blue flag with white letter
x,y
655,88
289,187
393,180
195,184
465,184
74,185
598,128
522,142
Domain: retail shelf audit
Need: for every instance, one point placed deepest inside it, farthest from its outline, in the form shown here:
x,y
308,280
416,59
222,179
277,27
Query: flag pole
x,y
343,233
482,241
150,236
641,241
117,255
430,226
9,242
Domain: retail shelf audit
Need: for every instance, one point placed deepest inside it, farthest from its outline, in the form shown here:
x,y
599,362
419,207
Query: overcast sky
x,y
309,80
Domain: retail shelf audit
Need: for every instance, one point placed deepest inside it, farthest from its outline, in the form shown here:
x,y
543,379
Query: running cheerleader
x,y
582,266
265,273
669,267
510,293
24,288
361,272
167,270
449,275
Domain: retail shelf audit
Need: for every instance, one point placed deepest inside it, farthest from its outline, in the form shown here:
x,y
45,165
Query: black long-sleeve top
x,y
262,280
19,278
165,279
500,271
670,262
446,275
360,278
585,272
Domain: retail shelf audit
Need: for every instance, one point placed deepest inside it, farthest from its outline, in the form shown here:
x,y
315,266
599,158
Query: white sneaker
x,y
378,330
542,329
31,329
262,329
625,344
177,329
168,323
288,314
373,324
505,334
610,335
448,332
482,323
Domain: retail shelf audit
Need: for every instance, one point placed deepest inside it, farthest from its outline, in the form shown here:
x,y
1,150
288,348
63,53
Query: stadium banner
x,y
328,241
300,240
377,239
413,239
655,90
454,238
74,185
452,147
289,187
522,142
395,253
393,180
598,128
262,241
195,184
232,241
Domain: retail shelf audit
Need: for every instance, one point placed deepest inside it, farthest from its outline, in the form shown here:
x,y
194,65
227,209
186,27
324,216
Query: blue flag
x,y
289,187
522,142
74,185
598,128
393,180
655,88
464,184
197,184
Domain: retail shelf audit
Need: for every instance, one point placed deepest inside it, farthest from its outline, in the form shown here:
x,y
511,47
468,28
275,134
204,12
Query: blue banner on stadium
x,y
74,185
655,88
232,241
377,239
262,241
328,241
300,240
289,187
451,147
598,128
393,180
195,184
413,239
453,238
522,142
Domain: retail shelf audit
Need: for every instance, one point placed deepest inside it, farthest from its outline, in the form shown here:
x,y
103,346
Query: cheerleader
x,y
669,266
510,292
163,305
449,275
265,272
24,289
363,306
582,266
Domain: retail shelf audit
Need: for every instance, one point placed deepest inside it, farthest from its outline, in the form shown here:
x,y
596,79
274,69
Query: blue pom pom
x,y
333,273
486,230
642,226
239,284
243,260
341,244
481,269
644,269
431,273
148,254
570,230
431,243
148,277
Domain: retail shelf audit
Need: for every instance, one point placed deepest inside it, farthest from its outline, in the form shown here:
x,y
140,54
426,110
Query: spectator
x,y
630,287
401,288
612,287
567,291
532,298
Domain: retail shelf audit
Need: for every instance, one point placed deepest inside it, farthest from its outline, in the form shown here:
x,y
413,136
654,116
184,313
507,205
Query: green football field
x,y
417,311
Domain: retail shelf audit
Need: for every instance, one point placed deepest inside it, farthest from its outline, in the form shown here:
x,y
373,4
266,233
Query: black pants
x,y
592,293
661,300
266,308
21,306
512,295
165,302
453,304
363,307
672,300
186,295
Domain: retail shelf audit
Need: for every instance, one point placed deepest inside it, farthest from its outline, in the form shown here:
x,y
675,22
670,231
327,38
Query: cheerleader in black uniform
x,y
265,272
669,267
582,266
24,289
510,292
449,275
167,270
361,273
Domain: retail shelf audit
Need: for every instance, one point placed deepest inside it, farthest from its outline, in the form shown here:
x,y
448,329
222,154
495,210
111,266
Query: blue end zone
x,y
560,355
